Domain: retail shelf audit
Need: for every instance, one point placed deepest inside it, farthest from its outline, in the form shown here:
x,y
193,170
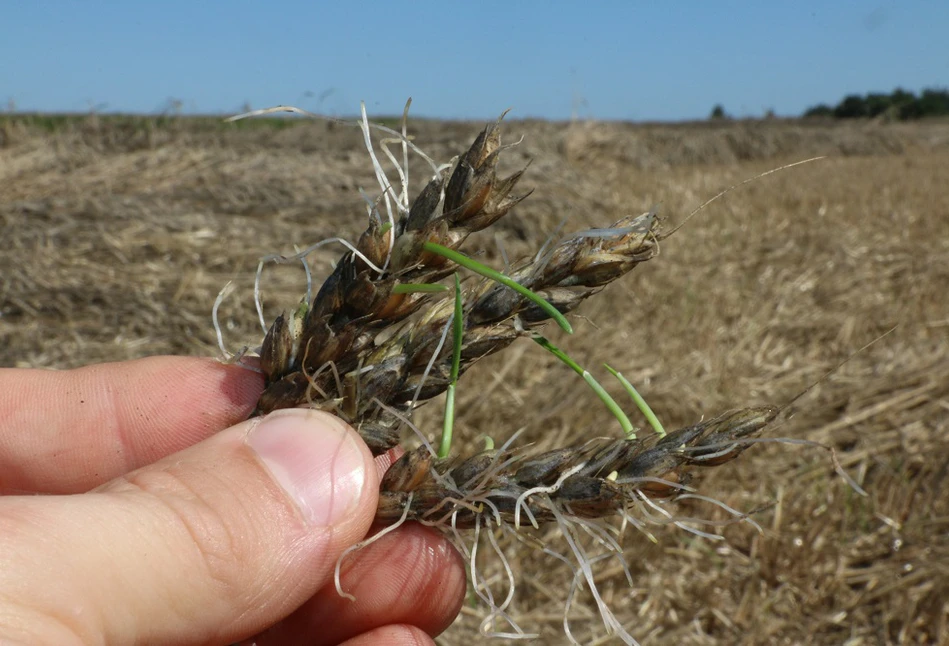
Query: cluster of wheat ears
x,y
394,326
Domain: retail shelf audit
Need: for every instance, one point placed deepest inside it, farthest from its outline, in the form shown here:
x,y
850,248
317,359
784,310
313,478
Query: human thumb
x,y
209,545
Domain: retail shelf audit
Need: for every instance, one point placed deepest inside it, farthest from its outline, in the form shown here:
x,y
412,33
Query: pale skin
x,y
178,533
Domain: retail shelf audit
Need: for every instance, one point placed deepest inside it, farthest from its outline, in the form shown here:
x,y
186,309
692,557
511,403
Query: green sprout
x,y
458,333
604,396
497,276
640,402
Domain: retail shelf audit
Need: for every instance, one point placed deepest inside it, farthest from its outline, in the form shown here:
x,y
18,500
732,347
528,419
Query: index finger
x,y
69,431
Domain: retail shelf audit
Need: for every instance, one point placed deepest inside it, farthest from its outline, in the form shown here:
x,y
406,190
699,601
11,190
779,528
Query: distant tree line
x,y
898,105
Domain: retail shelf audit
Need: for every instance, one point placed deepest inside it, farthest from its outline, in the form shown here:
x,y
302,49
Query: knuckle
x,y
205,534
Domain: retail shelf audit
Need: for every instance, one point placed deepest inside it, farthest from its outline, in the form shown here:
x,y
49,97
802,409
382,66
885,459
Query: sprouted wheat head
x,y
380,338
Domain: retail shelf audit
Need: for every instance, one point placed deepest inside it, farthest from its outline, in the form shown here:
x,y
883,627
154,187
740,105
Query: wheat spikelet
x,y
597,478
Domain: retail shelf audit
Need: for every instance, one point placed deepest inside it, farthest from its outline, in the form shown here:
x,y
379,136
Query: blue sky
x,y
604,60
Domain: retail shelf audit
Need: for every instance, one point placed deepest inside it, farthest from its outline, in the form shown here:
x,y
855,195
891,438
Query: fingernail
x,y
315,459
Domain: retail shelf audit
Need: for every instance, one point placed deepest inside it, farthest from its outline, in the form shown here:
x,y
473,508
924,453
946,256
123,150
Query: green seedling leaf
x,y
498,277
458,334
604,396
611,404
445,447
545,343
639,401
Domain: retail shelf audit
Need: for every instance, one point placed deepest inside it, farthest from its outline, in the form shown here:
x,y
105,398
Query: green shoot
x,y
604,396
611,404
458,333
545,343
497,276
640,402
416,288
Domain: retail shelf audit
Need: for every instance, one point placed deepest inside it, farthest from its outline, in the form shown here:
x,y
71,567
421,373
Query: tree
x,y
934,103
821,110
878,104
853,106
898,105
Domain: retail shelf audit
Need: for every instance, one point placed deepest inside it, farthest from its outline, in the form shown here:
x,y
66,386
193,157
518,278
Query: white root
x,y
384,183
601,535
483,590
675,521
521,500
405,419
226,291
739,516
300,255
431,362
365,543
375,126
610,622
512,583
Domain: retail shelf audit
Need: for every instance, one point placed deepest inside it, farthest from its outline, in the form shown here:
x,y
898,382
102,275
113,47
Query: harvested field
x,y
119,233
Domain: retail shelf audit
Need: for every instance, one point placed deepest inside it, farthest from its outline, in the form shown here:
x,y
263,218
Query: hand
x,y
187,531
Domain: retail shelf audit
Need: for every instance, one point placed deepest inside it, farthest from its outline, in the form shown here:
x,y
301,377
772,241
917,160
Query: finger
x,y
69,431
210,545
387,459
412,576
392,636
